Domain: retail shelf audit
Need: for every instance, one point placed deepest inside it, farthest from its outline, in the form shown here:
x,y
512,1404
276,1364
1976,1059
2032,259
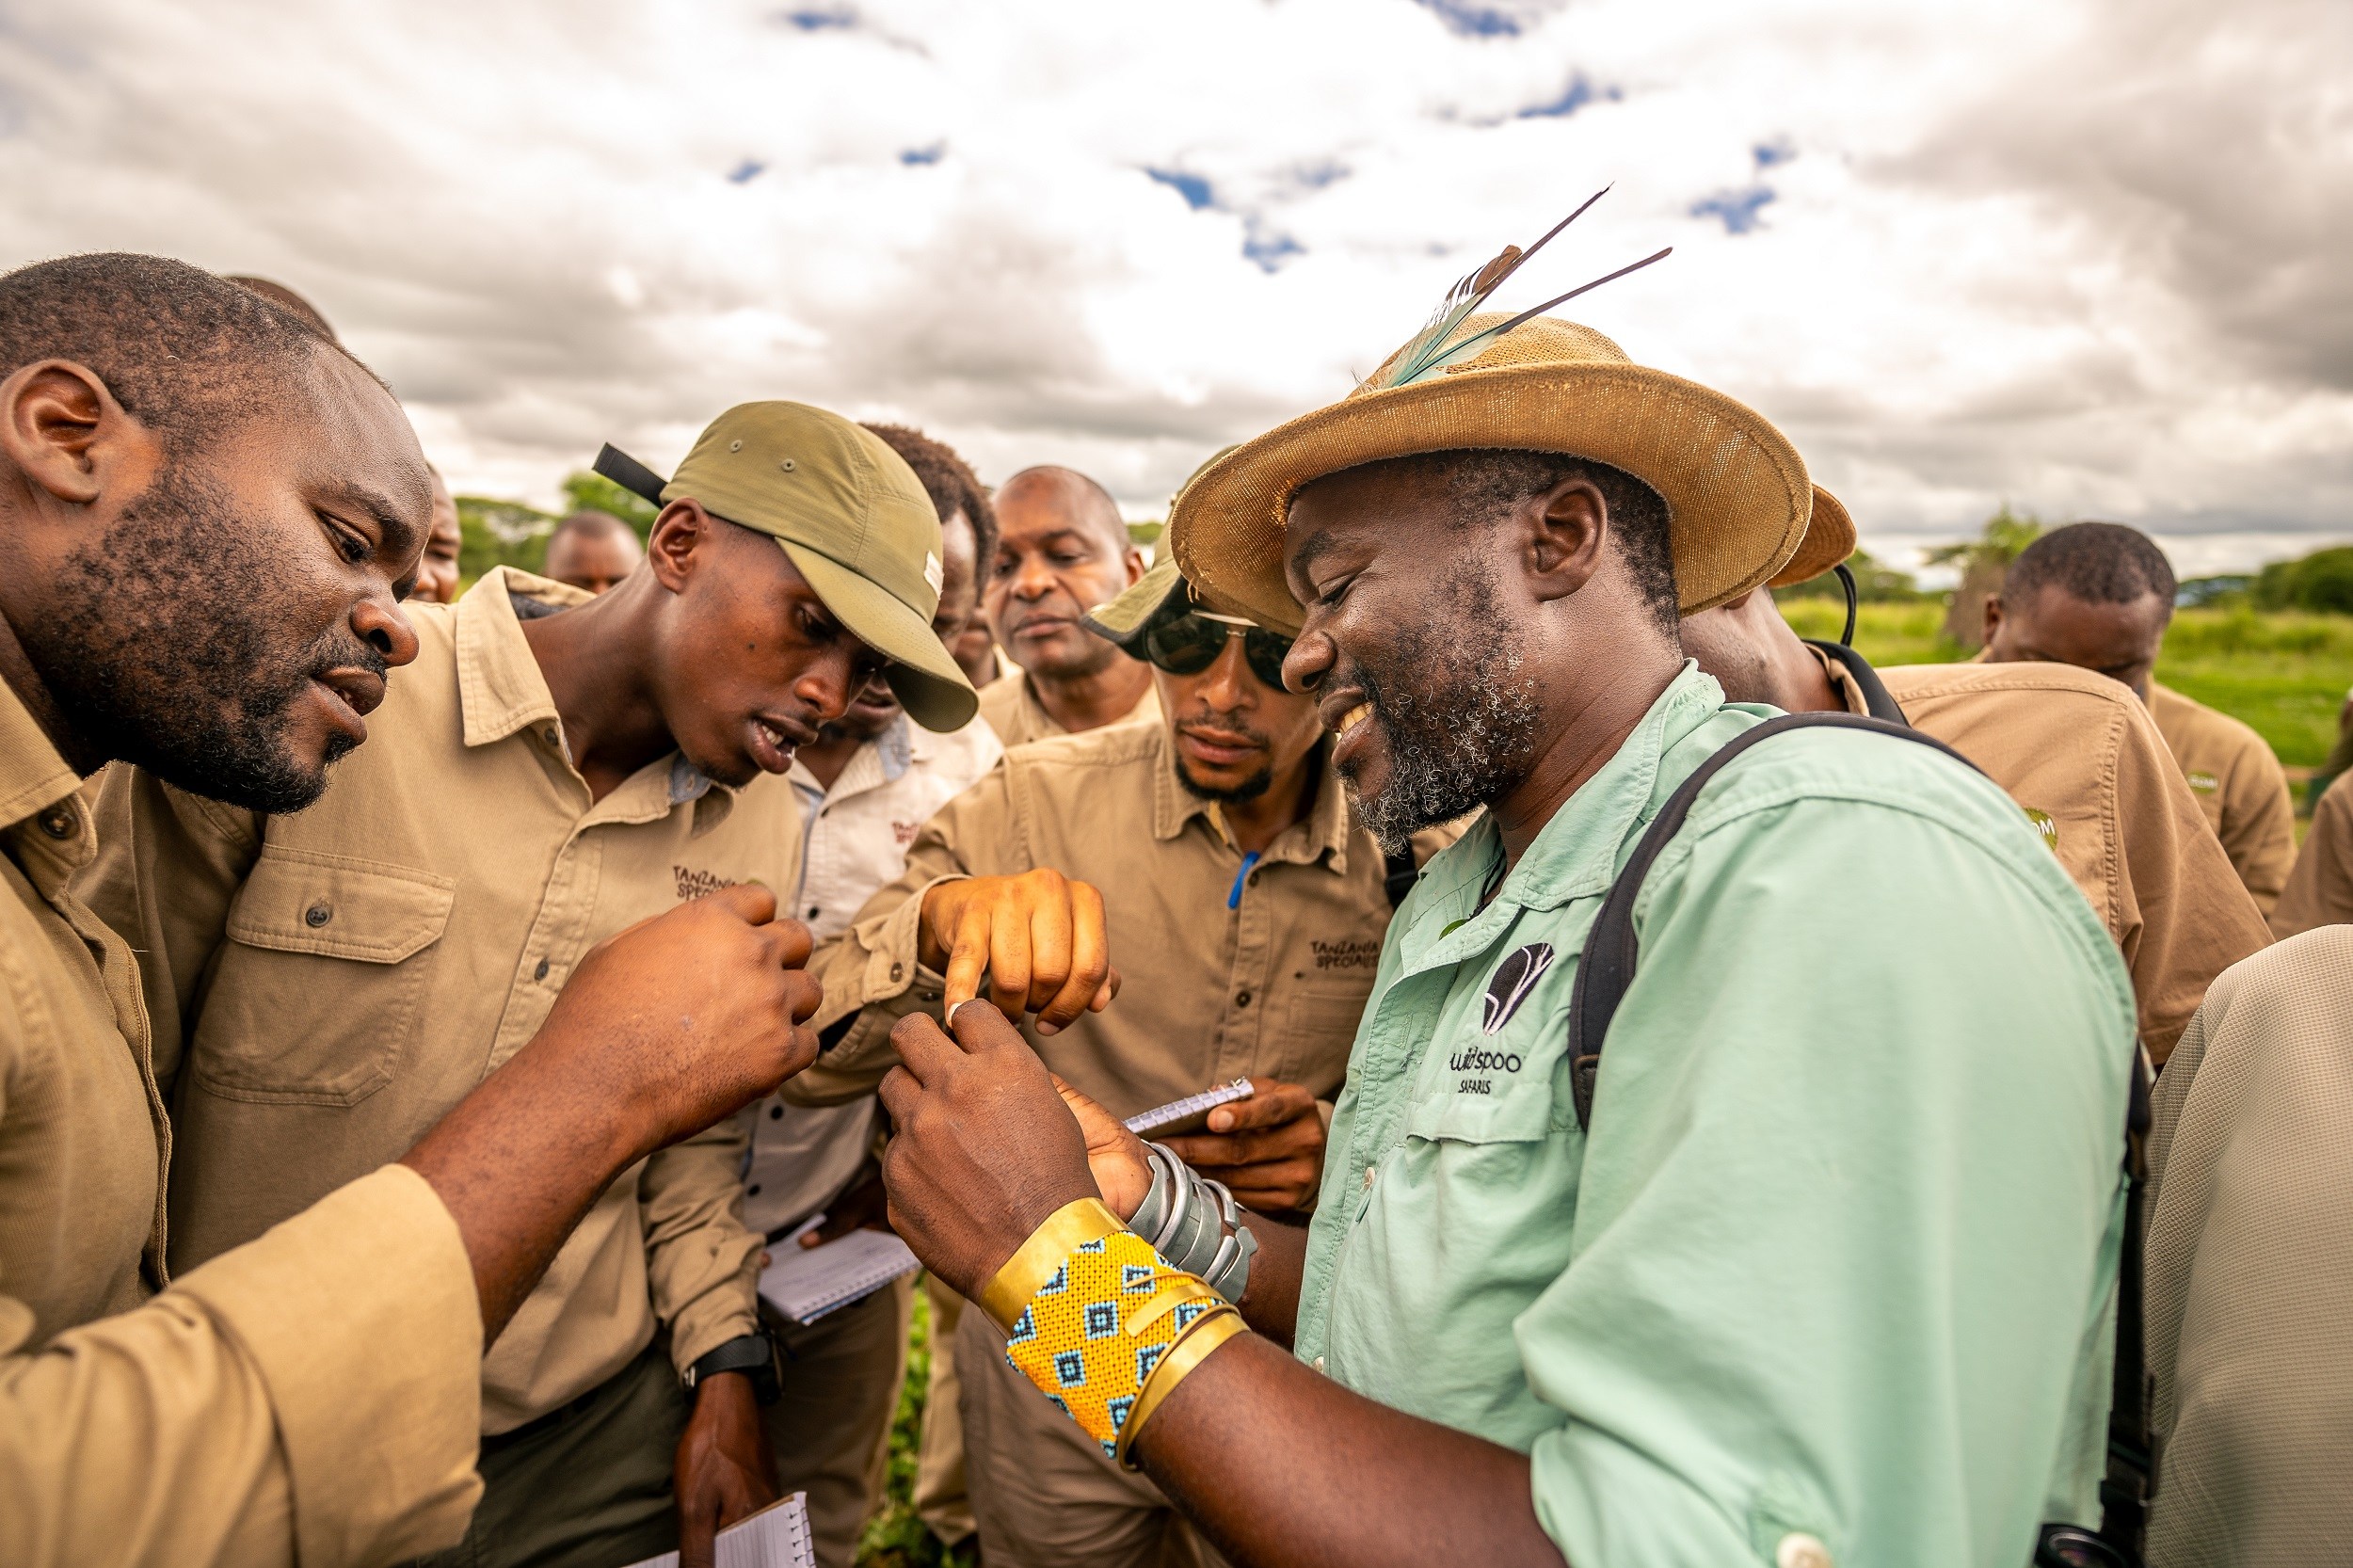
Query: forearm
x,y
1280,1465
1271,1301
517,1177
701,1261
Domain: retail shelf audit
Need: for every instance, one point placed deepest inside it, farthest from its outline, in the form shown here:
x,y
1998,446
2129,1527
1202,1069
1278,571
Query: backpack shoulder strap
x,y
1866,681
1607,967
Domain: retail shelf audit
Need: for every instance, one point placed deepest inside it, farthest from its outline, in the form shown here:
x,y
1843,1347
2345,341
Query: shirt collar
x,y
1842,682
1575,854
1324,836
500,687
33,774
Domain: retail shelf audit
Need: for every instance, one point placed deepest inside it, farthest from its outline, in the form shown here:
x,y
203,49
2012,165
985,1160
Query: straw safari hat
x,y
1830,538
1736,489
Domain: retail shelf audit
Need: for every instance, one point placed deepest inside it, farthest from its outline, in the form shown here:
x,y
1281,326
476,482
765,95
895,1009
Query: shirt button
x,y
1319,1364
812,911
317,915
753,1191
541,973
1800,1550
1241,999
775,1112
1368,1178
58,823
897,969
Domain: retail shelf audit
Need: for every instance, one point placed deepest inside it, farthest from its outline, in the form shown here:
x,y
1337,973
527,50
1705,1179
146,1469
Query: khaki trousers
x,y
941,1499
838,1382
587,1486
1043,1491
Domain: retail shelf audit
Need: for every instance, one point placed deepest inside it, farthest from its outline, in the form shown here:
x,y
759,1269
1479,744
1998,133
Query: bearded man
x,y
1830,1277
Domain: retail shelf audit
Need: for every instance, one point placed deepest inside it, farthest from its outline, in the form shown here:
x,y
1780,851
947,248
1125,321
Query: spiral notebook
x,y
775,1537
806,1283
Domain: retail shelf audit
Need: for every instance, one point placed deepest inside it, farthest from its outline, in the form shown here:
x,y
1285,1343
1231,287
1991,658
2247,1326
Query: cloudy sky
x,y
2094,257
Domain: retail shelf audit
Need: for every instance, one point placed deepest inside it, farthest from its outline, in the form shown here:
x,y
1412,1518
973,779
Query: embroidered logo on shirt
x,y
1357,955
905,831
1513,979
694,884
2044,825
2204,783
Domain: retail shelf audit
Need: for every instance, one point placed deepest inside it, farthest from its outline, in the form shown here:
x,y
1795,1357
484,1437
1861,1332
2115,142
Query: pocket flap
x,y
303,901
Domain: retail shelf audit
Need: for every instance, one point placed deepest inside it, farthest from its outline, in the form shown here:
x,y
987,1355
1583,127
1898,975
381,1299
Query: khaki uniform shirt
x,y
2084,759
2249,1262
1226,971
1009,705
311,1397
2320,888
2239,785
338,979
854,838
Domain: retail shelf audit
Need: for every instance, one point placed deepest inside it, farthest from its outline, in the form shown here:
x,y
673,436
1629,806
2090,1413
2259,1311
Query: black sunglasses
x,y
1189,644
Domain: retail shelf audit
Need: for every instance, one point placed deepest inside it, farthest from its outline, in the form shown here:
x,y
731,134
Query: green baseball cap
x,y
852,519
1122,620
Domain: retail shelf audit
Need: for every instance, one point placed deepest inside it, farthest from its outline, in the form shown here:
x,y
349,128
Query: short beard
x,y
170,651
1249,789
1460,719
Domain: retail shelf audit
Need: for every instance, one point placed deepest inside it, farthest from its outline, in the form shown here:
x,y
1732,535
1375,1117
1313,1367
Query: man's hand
x,y
864,1205
662,1030
1114,1155
684,1018
723,1470
986,1148
1267,1149
1039,937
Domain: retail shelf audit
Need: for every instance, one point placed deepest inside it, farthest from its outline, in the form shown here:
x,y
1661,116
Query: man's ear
x,y
62,428
1564,529
1993,617
681,533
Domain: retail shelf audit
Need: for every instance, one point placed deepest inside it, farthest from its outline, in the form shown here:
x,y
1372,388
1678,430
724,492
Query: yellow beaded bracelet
x,y
1101,1324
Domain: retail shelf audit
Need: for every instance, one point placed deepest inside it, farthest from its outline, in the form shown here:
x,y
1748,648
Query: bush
x,y
2322,580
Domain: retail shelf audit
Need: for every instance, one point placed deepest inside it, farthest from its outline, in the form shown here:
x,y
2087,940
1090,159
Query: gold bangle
x,y
1208,1331
1033,1263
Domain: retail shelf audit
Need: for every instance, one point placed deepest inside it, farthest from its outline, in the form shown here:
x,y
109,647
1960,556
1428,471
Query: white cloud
x,y
2084,256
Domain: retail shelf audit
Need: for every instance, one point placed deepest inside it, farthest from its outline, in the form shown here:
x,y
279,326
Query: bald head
x,y
1070,496
1060,551
594,551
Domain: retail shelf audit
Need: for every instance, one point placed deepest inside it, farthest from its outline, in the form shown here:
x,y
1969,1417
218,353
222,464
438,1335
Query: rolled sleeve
x,y
1866,1325
702,1264
312,1397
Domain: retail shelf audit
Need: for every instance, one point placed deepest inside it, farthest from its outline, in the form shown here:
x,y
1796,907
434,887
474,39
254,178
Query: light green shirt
x,y
1839,1255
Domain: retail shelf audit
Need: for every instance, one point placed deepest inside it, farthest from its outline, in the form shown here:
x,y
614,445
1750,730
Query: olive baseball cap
x,y
852,519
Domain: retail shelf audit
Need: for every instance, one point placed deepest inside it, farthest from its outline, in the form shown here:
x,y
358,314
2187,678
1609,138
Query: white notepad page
x,y
775,1537
806,1283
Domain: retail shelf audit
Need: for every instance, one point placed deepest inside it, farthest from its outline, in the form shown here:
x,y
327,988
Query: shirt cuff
x,y
360,1315
1601,1501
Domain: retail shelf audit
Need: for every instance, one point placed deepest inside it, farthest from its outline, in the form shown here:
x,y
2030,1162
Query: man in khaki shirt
x,y
1061,550
2072,749
2100,595
208,587
558,767
2320,888
1248,904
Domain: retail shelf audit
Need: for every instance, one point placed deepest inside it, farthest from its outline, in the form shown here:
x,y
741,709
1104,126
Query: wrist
x,y
740,1372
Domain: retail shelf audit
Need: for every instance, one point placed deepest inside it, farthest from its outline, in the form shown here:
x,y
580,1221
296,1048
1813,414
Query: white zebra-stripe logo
x,y
1513,979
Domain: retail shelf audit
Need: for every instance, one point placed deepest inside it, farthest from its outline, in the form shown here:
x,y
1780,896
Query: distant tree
x,y
1983,562
589,491
1875,582
2321,581
496,532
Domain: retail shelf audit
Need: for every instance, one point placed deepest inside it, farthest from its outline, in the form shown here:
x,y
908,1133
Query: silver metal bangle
x,y
1194,1224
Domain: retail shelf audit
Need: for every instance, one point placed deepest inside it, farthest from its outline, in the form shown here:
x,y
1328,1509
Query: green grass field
x,y
2284,672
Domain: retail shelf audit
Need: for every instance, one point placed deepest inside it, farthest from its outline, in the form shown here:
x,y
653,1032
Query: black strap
x,y
1606,970
1398,873
1874,699
1846,580
630,474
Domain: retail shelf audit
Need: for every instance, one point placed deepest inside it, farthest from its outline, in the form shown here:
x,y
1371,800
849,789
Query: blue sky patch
x,y
1466,20
1192,187
746,171
916,157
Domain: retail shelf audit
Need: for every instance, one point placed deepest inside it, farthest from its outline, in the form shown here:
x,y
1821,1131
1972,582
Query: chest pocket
x,y
317,990
1500,1075
1320,1027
